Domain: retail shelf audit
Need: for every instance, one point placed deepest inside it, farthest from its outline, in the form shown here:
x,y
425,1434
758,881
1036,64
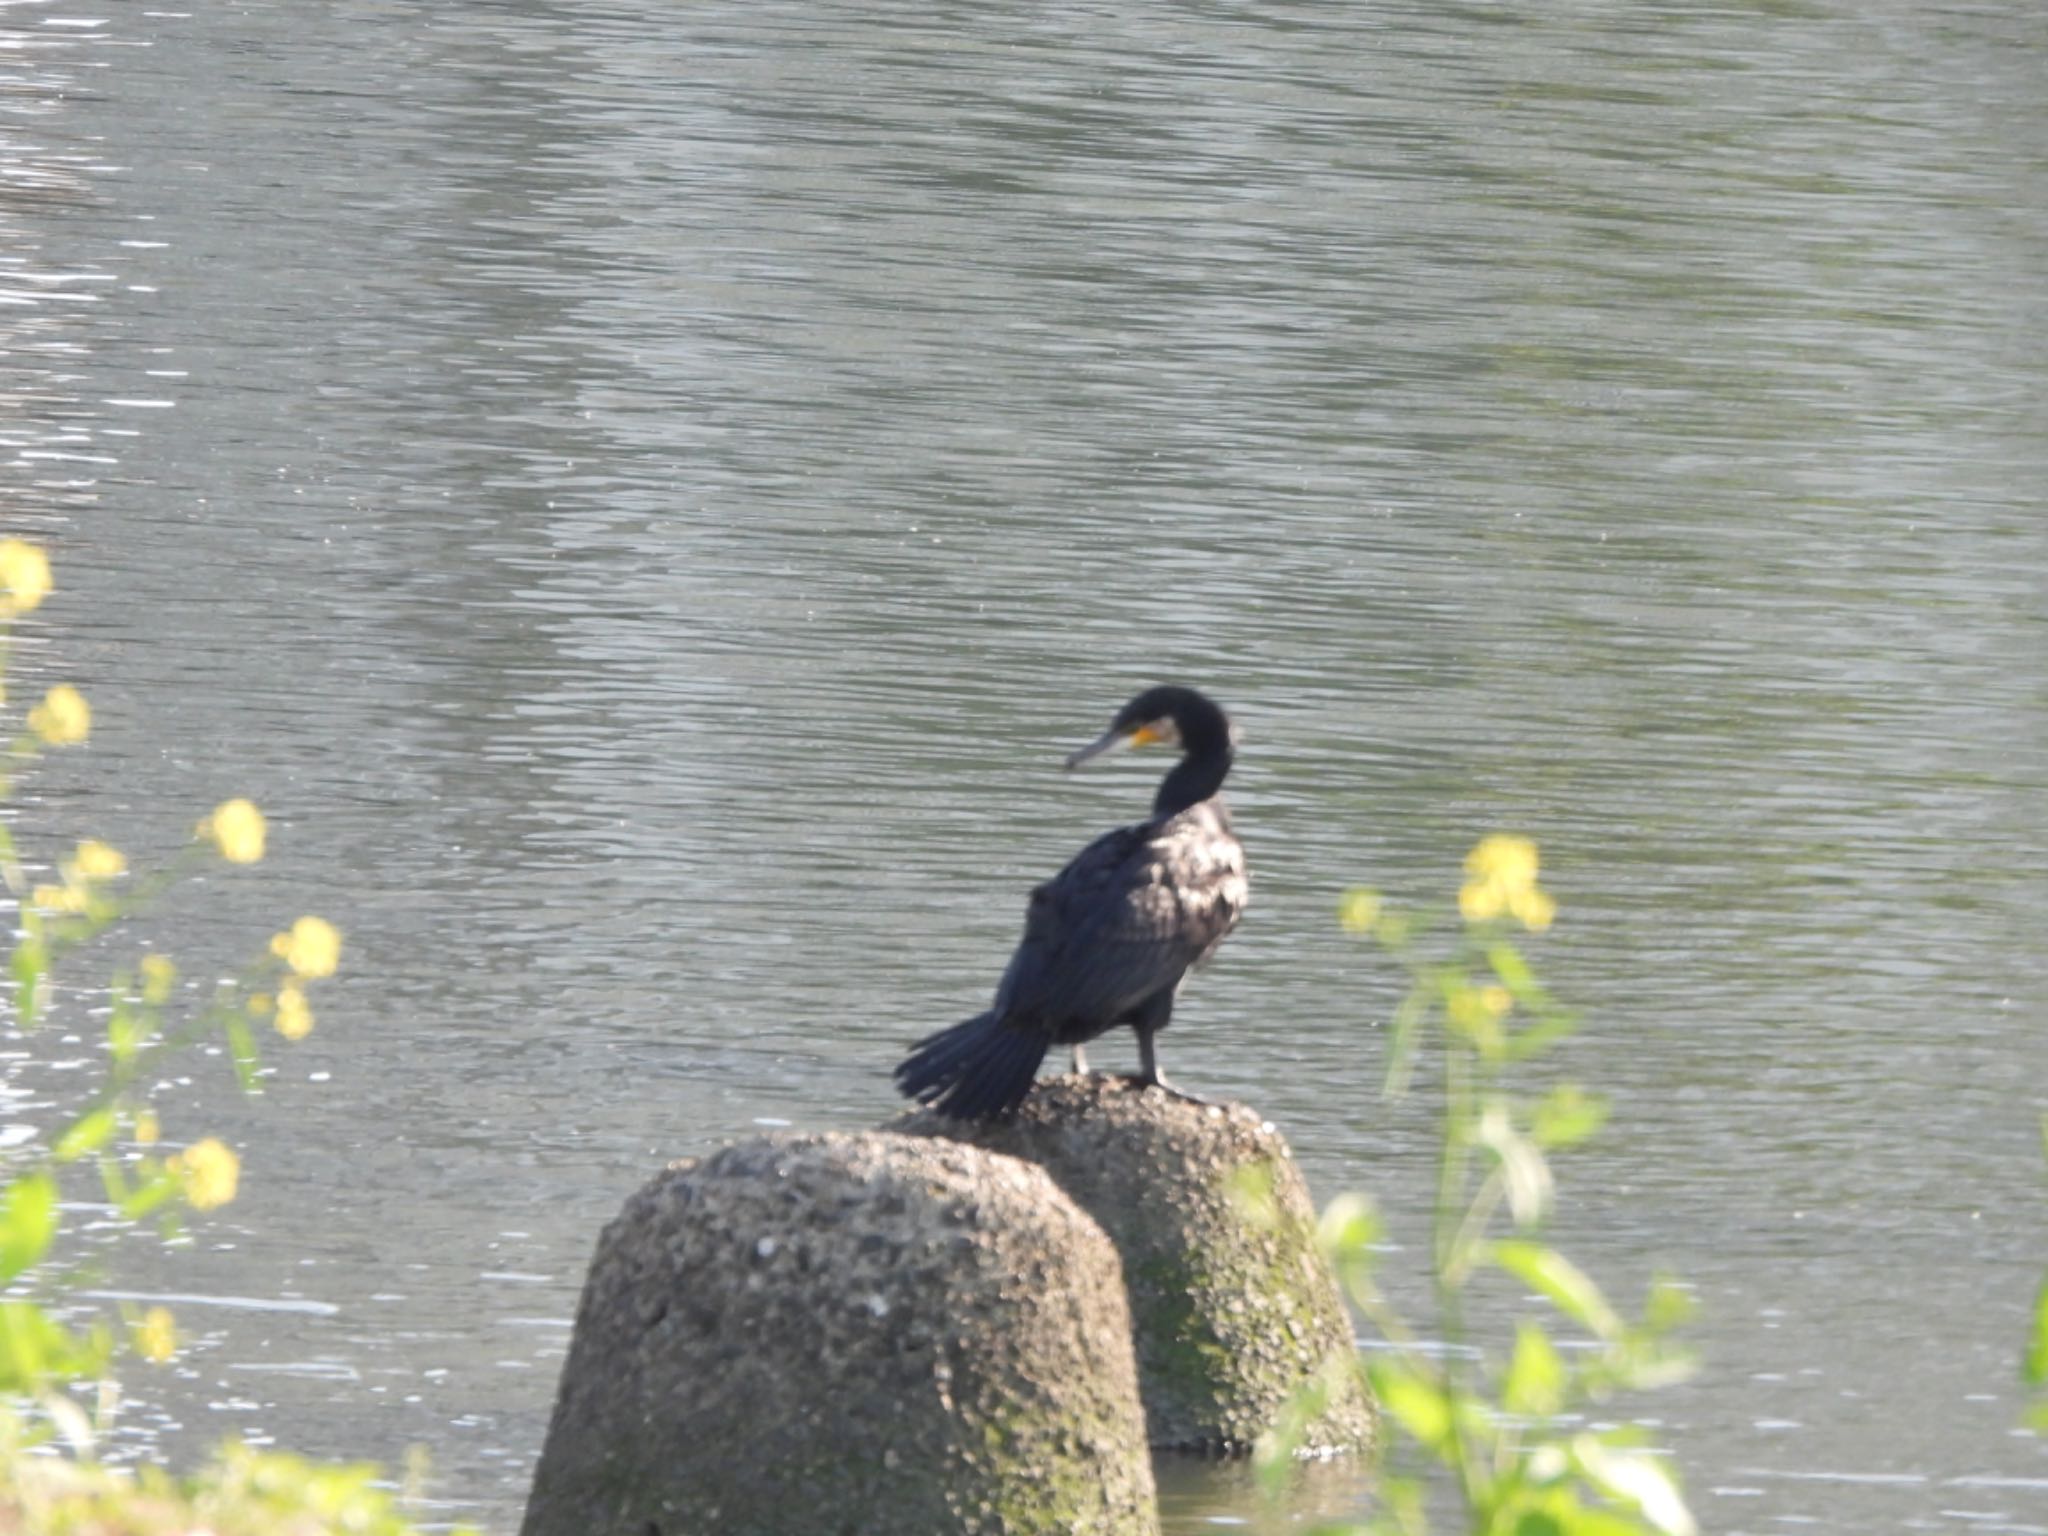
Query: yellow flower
x,y
1358,910
146,1128
24,577
1496,999
236,828
1502,878
294,1018
1479,900
63,717
57,898
1501,860
1533,909
312,948
156,1336
159,975
94,860
210,1173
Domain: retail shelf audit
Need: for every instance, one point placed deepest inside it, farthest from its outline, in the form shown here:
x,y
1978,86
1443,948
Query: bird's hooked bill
x,y
1117,738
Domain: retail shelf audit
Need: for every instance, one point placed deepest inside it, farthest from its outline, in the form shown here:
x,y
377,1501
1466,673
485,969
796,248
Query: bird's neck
x,y
1194,779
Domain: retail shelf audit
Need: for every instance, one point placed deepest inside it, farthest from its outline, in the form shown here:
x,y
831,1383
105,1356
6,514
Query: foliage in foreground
x,y
105,1159
241,1492
1508,1426
2034,1363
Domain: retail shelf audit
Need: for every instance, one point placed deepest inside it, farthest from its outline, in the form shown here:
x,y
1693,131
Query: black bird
x,y
1107,939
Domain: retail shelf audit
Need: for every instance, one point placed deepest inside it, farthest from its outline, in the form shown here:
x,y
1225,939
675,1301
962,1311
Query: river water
x,y
646,496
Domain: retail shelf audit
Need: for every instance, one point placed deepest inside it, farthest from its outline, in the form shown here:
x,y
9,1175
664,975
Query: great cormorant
x,y
1106,940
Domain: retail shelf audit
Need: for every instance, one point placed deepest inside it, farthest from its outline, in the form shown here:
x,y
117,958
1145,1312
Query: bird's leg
x,y
1080,1061
1148,1062
1149,1075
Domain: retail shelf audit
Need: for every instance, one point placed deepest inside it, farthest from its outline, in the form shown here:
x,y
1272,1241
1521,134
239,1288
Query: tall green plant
x,y
1506,1423
114,1137
2034,1364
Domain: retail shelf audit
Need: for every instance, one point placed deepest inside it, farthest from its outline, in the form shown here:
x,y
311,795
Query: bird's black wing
x,y
1123,921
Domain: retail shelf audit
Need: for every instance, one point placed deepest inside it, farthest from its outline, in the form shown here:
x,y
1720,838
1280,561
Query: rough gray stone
x,y
848,1333
1232,1301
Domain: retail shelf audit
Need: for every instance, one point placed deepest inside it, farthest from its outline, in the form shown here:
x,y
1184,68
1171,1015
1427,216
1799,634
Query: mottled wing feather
x,y
1124,920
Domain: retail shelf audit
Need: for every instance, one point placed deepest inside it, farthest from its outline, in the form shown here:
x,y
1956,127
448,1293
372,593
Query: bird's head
x,y
1178,717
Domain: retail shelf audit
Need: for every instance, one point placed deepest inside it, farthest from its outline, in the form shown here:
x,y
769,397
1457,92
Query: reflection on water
x,y
648,500
1199,1495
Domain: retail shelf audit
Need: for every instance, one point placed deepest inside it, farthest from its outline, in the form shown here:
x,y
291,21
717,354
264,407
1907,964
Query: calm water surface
x,y
647,496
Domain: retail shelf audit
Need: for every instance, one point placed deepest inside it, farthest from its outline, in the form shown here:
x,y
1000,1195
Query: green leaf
x,y
1570,1517
1401,1041
129,1029
2034,1369
1536,1378
1348,1226
27,965
1669,1305
1273,1454
1511,968
157,1185
113,1180
1525,1176
1416,1400
24,1346
242,1047
35,1349
1642,1365
1555,1509
1347,1230
87,1134
1394,930
1549,1273
1566,1116
1538,1038
28,1223
1635,1479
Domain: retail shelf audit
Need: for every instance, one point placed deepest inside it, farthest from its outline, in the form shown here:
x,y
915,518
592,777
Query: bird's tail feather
x,y
974,1070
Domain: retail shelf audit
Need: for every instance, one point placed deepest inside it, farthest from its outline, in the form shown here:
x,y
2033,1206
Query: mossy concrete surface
x,y
848,1333
1233,1304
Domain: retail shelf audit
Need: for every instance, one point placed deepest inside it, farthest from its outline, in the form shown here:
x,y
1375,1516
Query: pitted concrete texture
x,y
1233,1304
859,1333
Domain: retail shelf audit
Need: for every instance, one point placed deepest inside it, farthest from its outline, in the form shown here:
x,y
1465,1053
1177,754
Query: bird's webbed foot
x,y
1157,1079
1149,1075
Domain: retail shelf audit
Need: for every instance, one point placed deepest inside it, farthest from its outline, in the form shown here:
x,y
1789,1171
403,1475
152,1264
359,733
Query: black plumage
x,y
1108,939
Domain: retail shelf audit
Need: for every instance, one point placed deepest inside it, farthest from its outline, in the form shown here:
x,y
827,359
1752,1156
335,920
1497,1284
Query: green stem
x,y
1447,1277
1472,1225
140,896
